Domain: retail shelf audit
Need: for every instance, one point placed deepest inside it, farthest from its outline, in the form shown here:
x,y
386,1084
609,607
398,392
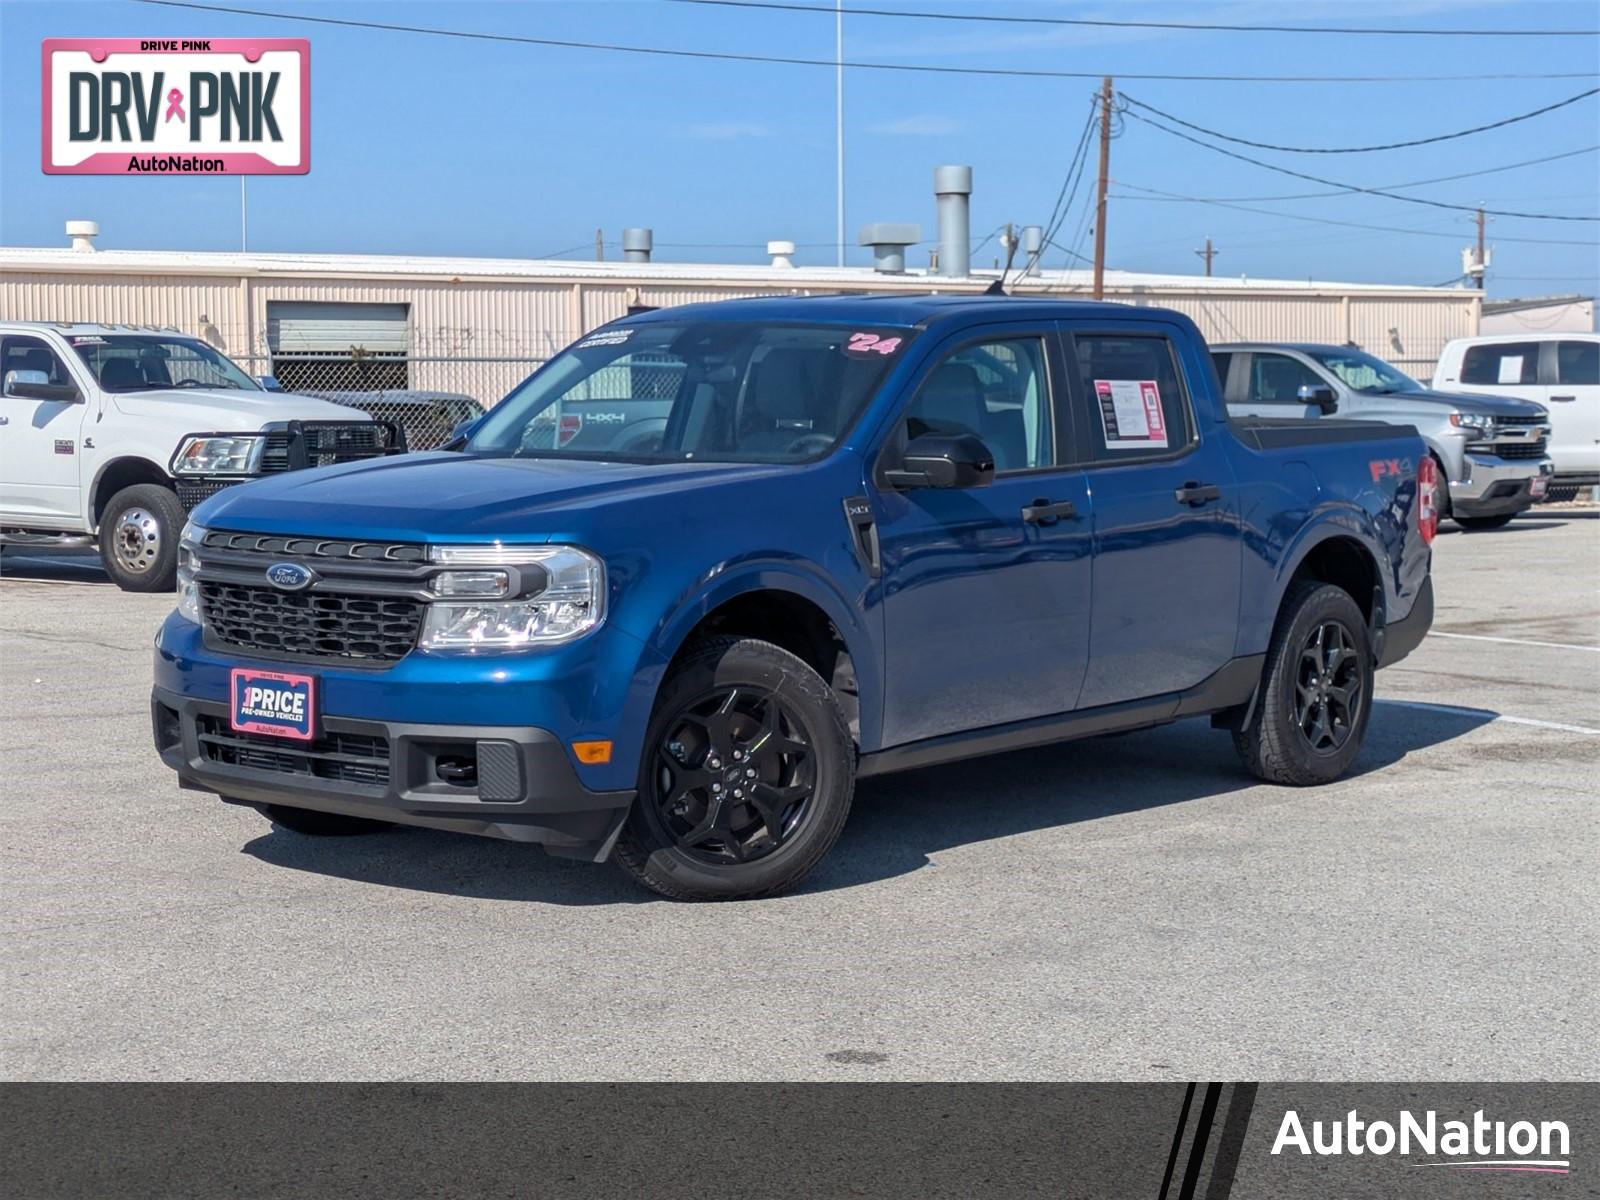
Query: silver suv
x,y
1492,450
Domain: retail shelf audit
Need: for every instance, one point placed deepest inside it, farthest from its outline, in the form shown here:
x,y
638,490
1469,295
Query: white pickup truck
x,y
113,432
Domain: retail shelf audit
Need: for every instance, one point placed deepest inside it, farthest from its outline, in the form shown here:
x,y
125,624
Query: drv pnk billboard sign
x,y
157,106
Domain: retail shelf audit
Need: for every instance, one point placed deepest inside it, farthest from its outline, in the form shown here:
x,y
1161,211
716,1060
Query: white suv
x,y
114,432
1558,370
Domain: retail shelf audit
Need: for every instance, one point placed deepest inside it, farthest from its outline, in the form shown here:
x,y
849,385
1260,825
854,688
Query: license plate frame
x,y
1539,487
284,704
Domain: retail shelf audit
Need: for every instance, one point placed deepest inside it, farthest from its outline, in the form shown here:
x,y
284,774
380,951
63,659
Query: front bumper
x,y
1491,487
525,788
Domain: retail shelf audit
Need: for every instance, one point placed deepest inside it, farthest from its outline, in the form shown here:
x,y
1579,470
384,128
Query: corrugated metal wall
x,y
529,321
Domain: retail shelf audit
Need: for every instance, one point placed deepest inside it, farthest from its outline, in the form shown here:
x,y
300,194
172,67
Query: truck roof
x,y
1303,347
93,327
894,309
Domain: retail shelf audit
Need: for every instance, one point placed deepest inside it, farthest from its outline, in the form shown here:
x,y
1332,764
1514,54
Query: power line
x,y
831,64
1350,187
1108,23
1267,212
1397,186
1443,137
1068,192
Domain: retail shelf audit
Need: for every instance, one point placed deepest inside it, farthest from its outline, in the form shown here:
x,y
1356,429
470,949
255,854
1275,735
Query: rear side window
x,y
1503,363
1277,379
1578,362
1134,394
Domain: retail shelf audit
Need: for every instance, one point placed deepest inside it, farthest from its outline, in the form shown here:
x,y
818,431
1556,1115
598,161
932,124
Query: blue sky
x,y
438,146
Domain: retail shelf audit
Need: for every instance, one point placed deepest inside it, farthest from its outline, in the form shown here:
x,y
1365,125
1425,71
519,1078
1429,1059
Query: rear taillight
x,y
1427,498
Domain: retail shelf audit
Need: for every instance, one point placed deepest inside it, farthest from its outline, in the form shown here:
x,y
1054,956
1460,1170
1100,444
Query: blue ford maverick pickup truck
x,y
855,535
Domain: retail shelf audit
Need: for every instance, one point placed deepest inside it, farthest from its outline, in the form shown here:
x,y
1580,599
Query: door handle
x,y
1564,399
1196,494
1043,512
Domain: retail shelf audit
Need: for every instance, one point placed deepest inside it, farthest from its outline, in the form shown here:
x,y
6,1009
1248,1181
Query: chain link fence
x,y
429,396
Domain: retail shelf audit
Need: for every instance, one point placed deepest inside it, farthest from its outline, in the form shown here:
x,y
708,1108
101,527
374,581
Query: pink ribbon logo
x,y
175,105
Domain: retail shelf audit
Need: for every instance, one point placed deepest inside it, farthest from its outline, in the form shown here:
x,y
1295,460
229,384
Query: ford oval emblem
x,y
291,577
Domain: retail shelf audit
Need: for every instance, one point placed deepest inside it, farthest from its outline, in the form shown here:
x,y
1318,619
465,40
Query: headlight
x,y
188,589
547,595
236,454
1472,423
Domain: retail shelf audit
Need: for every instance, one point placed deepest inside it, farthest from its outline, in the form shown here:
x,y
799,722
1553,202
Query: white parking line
x,y
1488,715
1478,637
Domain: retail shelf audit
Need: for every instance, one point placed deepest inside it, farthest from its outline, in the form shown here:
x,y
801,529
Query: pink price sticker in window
x,y
871,343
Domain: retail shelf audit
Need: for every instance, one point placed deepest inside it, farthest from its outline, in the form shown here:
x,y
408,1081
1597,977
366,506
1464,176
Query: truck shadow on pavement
x,y
898,823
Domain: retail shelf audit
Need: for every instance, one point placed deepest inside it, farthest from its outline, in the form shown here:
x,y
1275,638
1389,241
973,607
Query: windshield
x,y
1363,373
713,391
139,362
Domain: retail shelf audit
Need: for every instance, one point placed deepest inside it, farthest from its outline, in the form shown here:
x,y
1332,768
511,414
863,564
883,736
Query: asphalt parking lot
x,y
1123,908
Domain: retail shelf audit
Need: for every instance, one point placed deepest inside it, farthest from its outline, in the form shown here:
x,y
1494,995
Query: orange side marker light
x,y
592,754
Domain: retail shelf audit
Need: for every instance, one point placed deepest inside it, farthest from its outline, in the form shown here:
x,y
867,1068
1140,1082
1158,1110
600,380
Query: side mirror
x,y
270,383
459,435
36,385
1321,395
943,460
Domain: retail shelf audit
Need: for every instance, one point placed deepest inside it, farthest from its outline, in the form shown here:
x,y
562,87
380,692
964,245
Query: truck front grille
x,y
346,757
323,443
318,624
1509,449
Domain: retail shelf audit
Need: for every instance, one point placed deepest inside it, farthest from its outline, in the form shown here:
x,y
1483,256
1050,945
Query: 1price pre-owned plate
x,y
274,703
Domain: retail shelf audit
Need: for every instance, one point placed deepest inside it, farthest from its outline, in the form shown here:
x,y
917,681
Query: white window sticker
x,y
606,337
1130,413
1511,369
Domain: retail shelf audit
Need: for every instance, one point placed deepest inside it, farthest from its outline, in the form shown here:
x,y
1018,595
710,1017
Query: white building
x,y
478,325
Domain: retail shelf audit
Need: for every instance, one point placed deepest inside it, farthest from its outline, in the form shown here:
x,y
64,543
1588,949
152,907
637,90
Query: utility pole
x,y
1475,258
1100,204
599,245
1208,254
244,215
838,124
1481,261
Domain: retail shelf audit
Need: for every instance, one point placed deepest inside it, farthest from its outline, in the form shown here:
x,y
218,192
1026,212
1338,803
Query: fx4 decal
x,y
1381,467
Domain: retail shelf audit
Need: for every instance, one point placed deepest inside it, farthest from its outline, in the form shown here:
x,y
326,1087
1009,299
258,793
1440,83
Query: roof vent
x,y
782,254
889,241
951,187
83,234
636,245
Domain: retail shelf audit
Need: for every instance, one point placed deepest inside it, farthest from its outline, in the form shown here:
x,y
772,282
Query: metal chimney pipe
x,y
1032,247
952,186
636,245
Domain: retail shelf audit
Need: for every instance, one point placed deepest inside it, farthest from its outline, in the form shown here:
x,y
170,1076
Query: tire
x,y
311,823
1277,745
1476,523
139,532
738,714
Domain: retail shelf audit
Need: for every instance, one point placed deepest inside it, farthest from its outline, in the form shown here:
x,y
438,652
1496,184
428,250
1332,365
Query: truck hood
x,y
1493,406
441,495
226,410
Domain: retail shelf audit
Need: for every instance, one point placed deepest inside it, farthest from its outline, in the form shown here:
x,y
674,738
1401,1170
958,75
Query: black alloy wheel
x,y
734,775
746,778
1329,688
1311,712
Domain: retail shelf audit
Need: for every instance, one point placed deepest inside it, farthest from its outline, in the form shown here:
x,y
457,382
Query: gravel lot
x,y
1123,908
